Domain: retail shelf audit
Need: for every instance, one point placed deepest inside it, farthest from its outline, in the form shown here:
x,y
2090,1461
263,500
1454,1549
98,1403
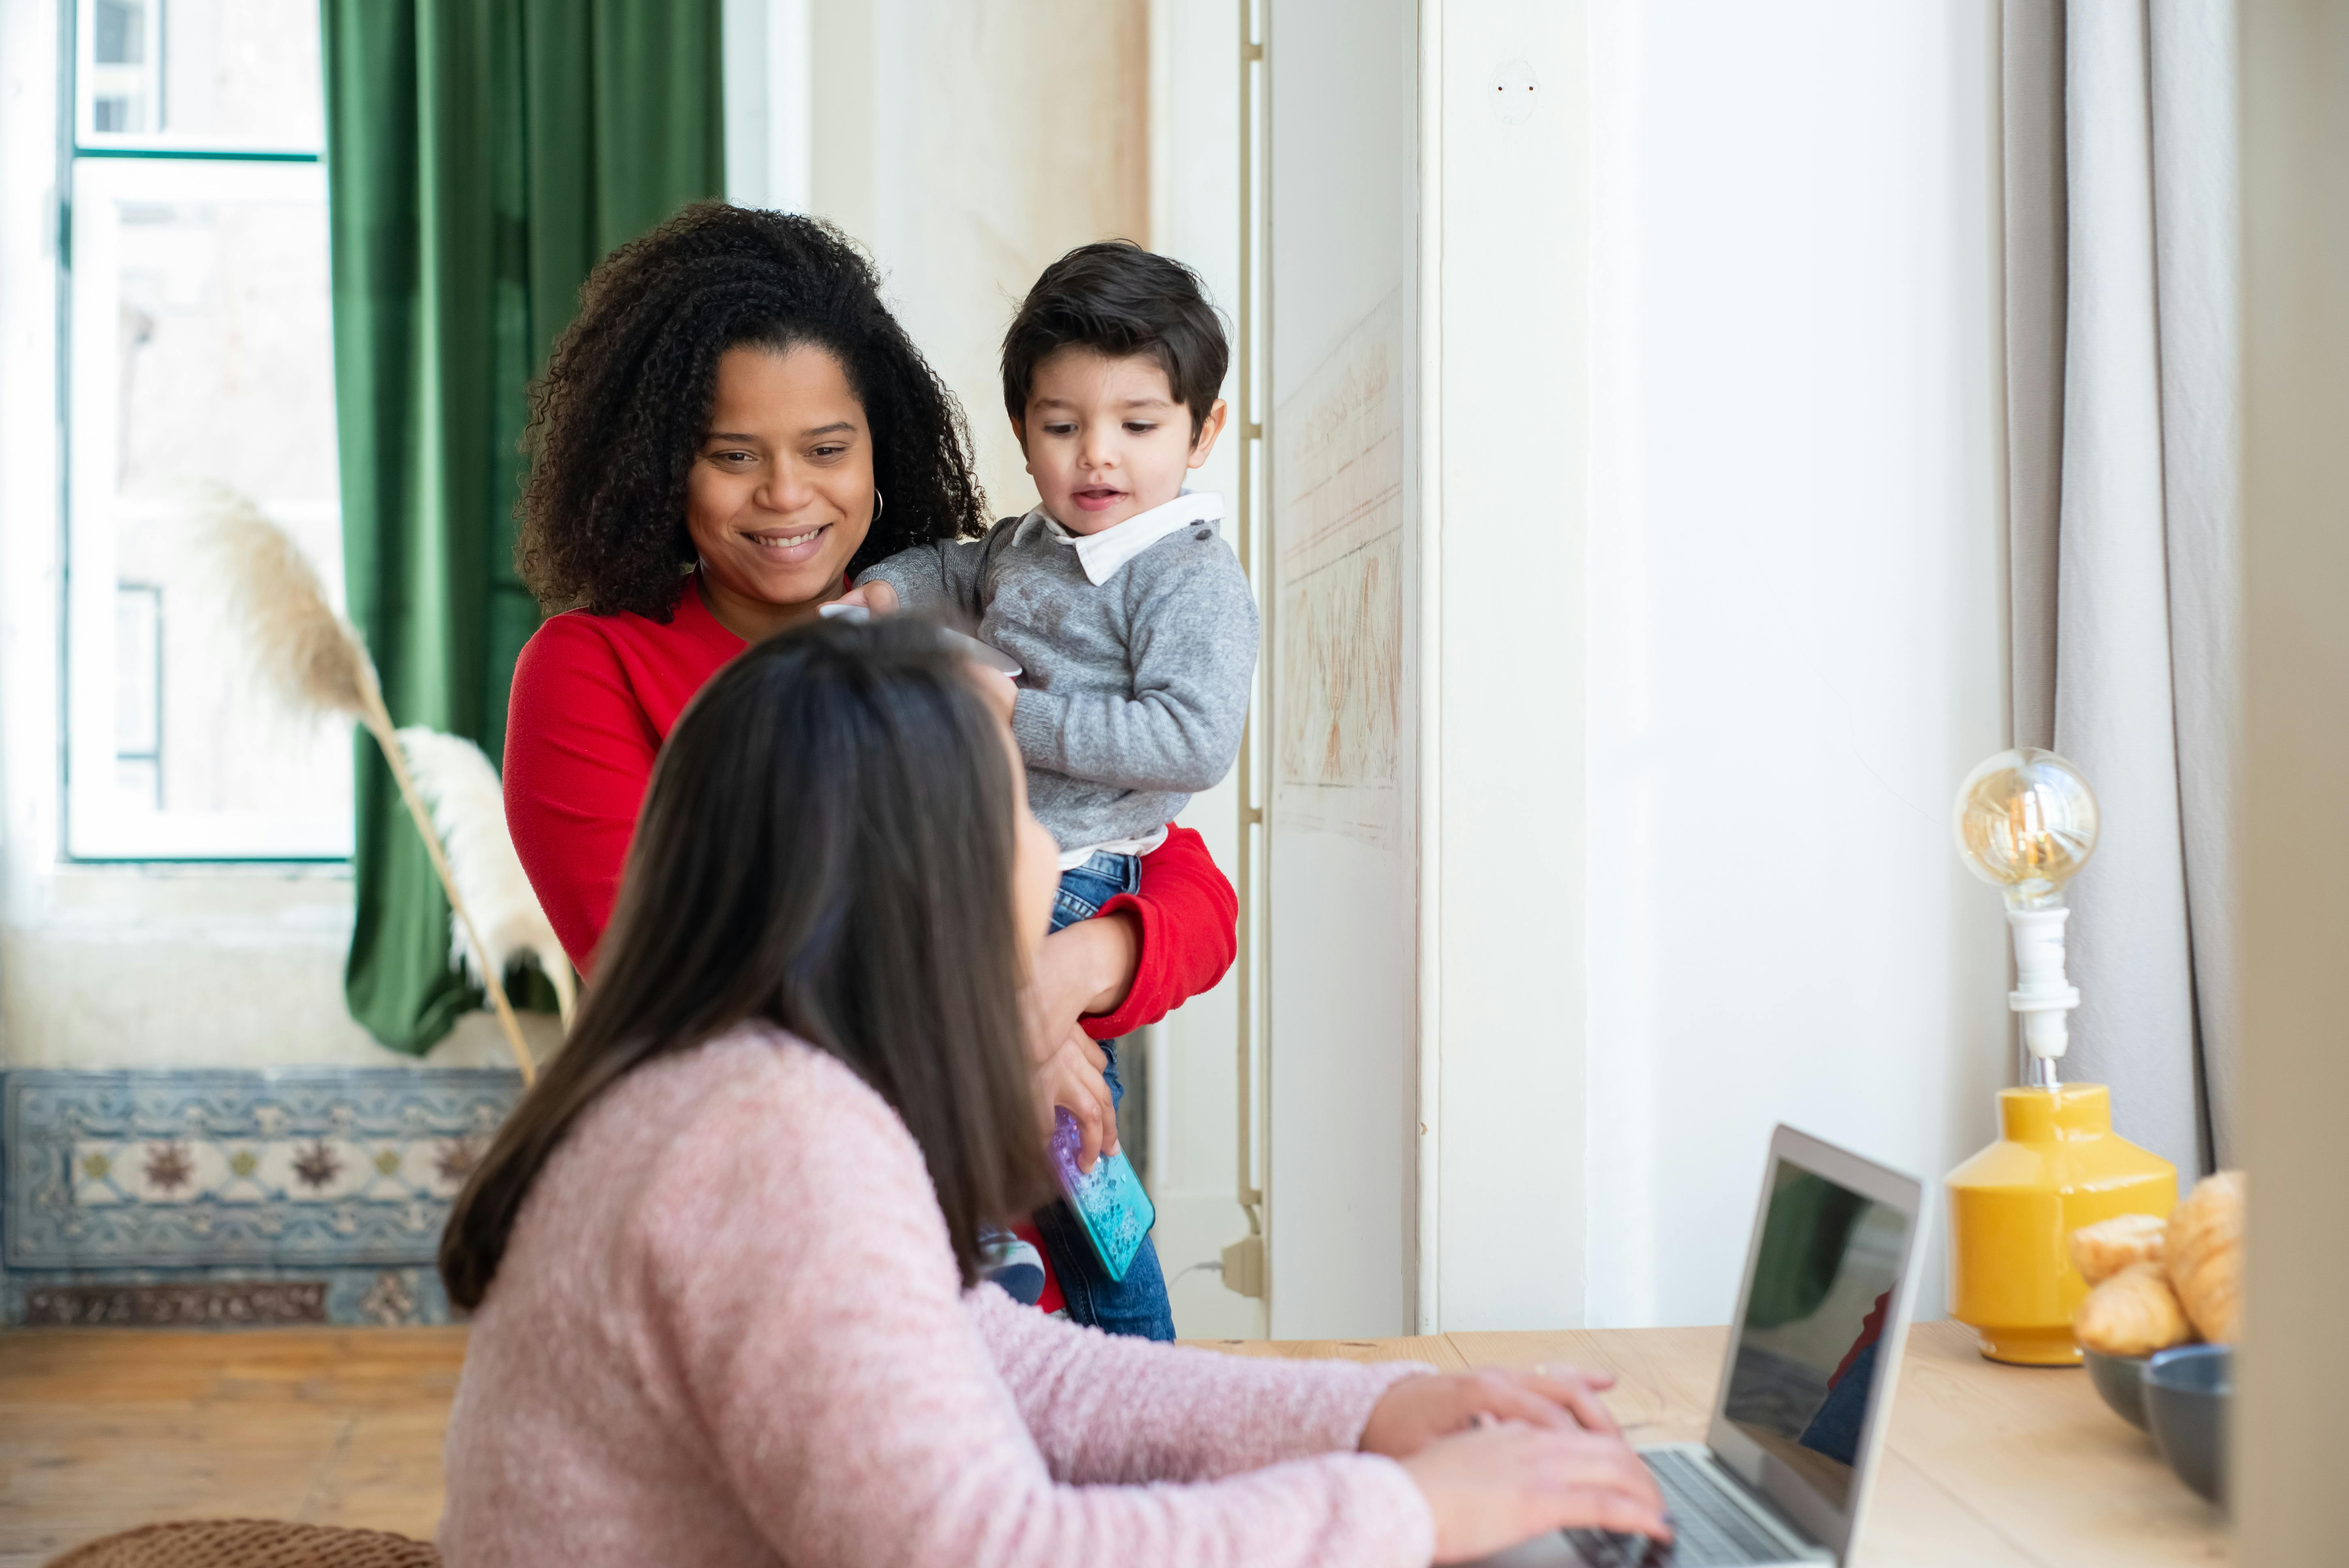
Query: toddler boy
x,y
1128,614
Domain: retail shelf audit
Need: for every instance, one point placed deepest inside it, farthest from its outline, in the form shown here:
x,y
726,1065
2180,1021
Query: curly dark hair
x,y
617,420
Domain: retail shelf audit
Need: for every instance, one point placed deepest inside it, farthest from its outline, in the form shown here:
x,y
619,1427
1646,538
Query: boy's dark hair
x,y
1119,299
826,846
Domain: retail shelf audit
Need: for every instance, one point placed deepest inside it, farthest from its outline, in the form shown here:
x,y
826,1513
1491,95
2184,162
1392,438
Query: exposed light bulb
x,y
2026,823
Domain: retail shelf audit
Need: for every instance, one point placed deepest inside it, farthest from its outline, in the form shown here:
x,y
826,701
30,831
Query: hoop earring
x,y
878,500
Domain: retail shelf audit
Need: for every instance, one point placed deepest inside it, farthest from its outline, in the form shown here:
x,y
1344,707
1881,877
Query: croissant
x,y
2204,1251
2102,1250
2135,1312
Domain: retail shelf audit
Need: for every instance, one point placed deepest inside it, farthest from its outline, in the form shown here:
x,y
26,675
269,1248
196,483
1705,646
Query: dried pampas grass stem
x,y
316,661
302,649
469,807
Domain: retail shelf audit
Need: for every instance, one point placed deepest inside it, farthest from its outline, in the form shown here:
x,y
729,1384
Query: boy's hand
x,y
1418,1410
876,596
1000,694
1070,1078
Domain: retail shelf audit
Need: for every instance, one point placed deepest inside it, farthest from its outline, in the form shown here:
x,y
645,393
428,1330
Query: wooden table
x,y
1986,1467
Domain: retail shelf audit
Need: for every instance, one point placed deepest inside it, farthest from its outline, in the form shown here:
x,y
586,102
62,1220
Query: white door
x,y
1338,581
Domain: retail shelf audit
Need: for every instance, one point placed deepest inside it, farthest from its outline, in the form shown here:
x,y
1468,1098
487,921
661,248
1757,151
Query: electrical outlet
x,y
1513,90
1244,1267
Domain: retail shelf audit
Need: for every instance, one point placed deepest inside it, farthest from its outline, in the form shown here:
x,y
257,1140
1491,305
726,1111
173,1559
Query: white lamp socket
x,y
2042,994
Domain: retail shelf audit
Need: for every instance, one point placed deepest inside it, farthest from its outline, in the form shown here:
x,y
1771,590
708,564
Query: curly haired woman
x,y
732,426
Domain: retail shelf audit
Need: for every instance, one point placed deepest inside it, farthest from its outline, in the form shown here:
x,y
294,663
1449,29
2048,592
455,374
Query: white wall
x,y
1721,572
1342,855
1515,474
2293,1366
768,80
183,967
968,143
1792,614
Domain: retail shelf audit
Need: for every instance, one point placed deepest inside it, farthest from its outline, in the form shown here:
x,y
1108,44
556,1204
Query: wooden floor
x,y
104,1429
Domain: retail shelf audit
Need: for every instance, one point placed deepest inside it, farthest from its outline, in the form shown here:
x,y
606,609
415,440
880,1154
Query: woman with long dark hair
x,y
721,1258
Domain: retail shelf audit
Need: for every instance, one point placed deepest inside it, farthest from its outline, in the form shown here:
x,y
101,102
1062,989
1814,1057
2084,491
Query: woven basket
x,y
250,1544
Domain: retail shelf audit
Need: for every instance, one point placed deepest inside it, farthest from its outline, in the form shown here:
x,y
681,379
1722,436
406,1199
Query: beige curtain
x,y
2122,435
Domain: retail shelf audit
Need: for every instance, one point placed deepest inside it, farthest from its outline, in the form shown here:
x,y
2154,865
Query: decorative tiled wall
x,y
283,1196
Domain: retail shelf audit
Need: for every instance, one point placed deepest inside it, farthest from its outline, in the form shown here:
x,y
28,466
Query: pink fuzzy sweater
x,y
729,1329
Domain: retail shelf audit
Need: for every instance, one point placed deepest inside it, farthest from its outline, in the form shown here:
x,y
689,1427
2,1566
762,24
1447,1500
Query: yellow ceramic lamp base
x,y
2058,1165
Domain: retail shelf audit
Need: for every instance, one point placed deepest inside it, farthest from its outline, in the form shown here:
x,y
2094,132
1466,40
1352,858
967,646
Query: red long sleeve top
x,y
594,697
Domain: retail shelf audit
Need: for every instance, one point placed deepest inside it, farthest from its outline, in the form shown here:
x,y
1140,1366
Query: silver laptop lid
x,y
1816,1344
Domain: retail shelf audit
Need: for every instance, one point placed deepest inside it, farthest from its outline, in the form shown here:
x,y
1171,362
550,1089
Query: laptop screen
x,y
1825,1277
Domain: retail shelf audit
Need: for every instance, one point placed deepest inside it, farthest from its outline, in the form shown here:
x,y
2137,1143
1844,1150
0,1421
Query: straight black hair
x,y
827,844
1119,299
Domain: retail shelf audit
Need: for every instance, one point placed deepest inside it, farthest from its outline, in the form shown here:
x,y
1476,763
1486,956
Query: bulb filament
x,y
2029,829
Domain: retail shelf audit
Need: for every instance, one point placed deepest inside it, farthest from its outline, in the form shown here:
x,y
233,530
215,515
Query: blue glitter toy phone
x,y
1109,1199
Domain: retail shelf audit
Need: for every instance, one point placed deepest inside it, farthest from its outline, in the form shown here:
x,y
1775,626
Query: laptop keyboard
x,y
1709,1529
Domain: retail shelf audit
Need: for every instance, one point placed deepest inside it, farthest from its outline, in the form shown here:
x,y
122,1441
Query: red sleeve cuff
x,y
1146,999
1188,916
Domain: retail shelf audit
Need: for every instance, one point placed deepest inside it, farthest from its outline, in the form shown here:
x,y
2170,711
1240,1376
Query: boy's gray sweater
x,y
1135,690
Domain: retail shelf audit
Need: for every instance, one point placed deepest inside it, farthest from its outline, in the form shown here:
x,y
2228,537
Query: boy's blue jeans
x,y
1137,1303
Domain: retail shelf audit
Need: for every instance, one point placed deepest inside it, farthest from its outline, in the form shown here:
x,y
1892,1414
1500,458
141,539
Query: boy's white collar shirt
x,y
1102,554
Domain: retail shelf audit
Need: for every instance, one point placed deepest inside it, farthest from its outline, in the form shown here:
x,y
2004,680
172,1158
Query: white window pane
x,y
137,670
230,74
225,367
202,354
138,778
121,79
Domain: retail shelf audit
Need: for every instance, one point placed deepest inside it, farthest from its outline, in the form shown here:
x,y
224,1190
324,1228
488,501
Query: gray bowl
x,y
2187,1393
2121,1380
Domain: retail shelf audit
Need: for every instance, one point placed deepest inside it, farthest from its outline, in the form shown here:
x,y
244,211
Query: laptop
x,y
1799,1417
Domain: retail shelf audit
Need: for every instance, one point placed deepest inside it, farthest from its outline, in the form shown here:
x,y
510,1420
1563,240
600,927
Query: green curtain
x,y
481,155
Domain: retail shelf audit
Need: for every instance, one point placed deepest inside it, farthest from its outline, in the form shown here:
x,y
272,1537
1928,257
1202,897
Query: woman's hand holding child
x,y
1070,1078
1079,969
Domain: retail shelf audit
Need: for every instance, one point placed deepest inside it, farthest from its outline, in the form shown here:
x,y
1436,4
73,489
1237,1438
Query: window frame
x,y
87,142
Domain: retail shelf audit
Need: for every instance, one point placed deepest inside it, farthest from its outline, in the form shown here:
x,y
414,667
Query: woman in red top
x,y
732,426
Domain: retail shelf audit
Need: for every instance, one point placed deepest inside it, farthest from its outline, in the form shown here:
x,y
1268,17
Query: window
x,y
201,354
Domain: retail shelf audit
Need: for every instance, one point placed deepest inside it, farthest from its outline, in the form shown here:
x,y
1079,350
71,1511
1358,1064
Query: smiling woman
x,y
729,374
733,425
781,494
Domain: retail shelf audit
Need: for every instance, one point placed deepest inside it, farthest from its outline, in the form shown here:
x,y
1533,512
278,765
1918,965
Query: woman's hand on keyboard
x,y
1501,1483
1417,1410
